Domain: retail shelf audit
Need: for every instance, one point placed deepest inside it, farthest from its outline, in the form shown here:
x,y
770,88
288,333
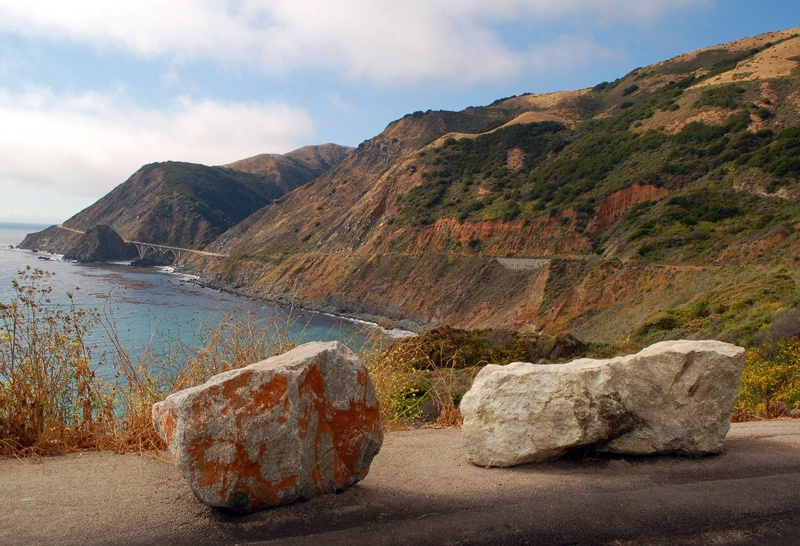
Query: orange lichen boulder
x,y
298,425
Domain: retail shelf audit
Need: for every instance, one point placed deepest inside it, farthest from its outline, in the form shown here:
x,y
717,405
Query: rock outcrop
x,y
672,397
289,428
618,203
100,244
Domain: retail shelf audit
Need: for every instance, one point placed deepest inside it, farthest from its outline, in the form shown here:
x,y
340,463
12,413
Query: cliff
x,y
643,198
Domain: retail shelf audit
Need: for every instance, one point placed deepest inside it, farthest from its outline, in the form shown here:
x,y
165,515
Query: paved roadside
x,y
421,490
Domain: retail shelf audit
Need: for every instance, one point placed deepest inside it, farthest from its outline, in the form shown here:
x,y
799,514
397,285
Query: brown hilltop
x,y
345,242
774,60
665,203
311,160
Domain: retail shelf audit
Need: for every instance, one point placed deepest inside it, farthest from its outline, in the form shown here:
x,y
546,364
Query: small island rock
x,y
100,244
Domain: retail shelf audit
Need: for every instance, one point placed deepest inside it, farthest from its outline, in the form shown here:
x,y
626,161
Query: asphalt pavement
x,y
421,490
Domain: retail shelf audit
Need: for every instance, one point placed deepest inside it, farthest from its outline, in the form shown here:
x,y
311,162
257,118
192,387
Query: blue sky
x,y
90,91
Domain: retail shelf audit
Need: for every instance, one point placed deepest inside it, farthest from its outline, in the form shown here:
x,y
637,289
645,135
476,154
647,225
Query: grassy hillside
x,y
663,204
195,197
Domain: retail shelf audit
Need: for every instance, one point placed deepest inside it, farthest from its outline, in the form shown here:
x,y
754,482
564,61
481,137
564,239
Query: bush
x,y
726,96
422,378
771,382
629,90
414,387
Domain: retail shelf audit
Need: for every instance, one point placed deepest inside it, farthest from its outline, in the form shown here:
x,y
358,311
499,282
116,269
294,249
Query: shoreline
x,y
398,327
393,327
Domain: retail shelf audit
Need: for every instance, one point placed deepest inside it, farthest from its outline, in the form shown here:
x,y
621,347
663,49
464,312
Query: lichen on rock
x,y
297,425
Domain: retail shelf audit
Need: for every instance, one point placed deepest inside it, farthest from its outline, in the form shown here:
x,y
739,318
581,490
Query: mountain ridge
x,y
625,189
189,205
663,204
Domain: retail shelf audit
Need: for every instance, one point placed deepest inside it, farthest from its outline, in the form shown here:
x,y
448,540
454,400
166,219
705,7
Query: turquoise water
x,y
150,306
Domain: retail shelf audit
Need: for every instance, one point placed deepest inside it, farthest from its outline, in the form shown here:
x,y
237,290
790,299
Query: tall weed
x,y
51,399
418,383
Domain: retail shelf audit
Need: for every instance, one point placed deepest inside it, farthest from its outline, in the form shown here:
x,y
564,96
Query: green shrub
x,y
629,90
771,382
727,96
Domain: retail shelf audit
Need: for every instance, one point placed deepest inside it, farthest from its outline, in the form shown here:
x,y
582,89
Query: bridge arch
x,y
177,252
144,248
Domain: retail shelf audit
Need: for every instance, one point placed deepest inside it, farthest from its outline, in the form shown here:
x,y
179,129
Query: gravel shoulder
x,y
421,490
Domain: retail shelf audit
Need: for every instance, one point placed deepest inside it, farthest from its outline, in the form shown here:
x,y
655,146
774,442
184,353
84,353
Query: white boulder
x,y
672,397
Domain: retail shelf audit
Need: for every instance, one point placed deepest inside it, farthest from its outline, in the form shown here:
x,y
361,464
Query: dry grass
x,y
417,386
51,399
46,379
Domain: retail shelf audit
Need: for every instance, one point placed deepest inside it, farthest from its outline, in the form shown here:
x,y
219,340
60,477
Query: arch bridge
x,y
144,248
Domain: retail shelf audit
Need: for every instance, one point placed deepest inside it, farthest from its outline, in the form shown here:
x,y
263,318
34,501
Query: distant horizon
x,y
12,224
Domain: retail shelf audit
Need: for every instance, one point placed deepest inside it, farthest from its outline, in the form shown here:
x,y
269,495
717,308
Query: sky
x,y
92,90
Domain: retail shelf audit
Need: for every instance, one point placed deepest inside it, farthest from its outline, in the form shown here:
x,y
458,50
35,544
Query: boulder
x,y
672,397
294,426
100,244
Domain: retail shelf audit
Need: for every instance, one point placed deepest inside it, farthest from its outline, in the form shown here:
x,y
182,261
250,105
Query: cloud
x,y
341,104
381,41
85,144
170,79
565,52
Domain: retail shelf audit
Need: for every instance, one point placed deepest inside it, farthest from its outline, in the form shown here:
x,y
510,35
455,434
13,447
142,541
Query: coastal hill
x,y
188,205
294,168
663,204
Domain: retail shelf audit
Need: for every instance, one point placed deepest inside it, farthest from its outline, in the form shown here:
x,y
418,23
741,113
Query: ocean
x,y
150,306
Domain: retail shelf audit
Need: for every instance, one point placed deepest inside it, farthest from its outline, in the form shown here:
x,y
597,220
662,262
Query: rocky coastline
x,y
398,327
78,246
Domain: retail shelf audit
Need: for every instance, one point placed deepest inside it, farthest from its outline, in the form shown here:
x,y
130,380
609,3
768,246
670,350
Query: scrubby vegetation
x,y
770,382
52,400
460,168
423,378
771,379
741,313
722,166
